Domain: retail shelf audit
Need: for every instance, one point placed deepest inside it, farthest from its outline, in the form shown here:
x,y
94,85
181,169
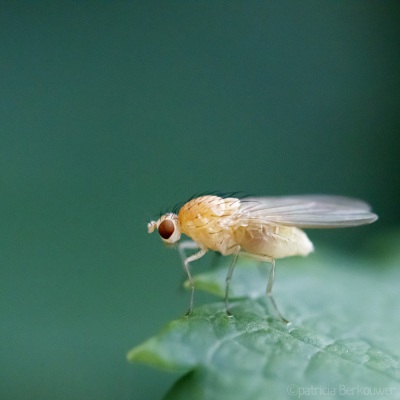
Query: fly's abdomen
x,y
274,241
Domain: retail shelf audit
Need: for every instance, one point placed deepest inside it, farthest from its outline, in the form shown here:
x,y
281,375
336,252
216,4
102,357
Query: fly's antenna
x,y
151,226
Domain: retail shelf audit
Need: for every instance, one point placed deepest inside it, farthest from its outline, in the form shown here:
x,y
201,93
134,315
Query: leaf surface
x,y
342,342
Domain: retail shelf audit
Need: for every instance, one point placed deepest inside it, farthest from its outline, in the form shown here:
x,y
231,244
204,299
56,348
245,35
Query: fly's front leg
x,y
186,264
186,245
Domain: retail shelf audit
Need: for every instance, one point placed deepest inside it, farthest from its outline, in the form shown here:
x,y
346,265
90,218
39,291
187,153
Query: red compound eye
x,y
166,229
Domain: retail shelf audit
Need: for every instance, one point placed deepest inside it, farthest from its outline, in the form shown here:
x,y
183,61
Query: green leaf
x,y
342,340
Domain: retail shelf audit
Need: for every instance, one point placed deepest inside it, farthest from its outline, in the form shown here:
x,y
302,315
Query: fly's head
x,y
168,228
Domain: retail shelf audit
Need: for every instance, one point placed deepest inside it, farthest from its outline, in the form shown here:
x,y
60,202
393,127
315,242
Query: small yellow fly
x,y
263,228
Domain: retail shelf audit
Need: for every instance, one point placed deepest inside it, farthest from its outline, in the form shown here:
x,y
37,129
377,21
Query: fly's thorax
x,y
206,220
207,209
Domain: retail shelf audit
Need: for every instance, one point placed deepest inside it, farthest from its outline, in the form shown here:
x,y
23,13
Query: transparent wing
x,y
311,211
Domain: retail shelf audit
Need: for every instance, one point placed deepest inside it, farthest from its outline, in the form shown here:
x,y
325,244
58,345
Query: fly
x,y
262,228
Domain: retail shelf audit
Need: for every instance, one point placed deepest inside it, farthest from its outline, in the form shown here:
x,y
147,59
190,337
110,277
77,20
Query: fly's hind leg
x,y
271,277
270,283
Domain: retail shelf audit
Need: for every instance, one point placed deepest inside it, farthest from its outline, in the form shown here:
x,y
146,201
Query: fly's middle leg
x,y
229,278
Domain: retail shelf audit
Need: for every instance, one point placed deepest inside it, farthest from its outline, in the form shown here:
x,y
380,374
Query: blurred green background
x,y
114,111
